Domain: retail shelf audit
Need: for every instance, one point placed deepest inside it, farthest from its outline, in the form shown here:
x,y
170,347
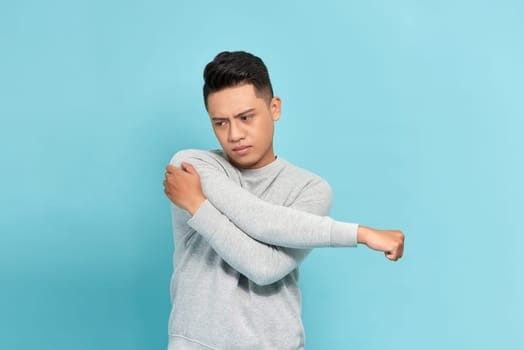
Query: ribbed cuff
x,y
343,234
204,219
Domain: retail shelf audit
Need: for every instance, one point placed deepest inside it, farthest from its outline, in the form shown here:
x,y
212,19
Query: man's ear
x,y
276,107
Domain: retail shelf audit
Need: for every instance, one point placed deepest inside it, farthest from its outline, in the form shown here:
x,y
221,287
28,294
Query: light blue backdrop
x,y
413,111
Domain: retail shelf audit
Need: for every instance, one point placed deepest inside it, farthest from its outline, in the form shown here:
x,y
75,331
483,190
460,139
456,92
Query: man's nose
x,y
236,132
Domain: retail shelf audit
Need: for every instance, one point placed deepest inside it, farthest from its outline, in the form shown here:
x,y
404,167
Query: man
x,y
243,221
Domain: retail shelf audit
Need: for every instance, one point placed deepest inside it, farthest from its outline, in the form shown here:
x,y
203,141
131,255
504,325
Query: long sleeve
x,y
261,263
263,221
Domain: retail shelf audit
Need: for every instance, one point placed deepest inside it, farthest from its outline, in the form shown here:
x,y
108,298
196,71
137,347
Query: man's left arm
x,y
260,262
275,224
270,223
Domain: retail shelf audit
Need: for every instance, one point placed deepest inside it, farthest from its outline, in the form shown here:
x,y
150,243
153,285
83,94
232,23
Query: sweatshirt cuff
x,y
344,234
205,218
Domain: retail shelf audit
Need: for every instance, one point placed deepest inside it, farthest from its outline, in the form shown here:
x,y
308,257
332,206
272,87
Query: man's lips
x,y
241,149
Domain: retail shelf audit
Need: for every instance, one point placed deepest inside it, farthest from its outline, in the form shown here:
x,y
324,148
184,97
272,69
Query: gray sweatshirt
x,y
235,279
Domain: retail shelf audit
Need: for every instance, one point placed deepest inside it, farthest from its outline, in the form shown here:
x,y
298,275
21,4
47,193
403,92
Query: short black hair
x,y
230,69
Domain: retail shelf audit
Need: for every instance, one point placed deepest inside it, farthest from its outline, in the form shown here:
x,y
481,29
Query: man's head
x,y
239,99
230,69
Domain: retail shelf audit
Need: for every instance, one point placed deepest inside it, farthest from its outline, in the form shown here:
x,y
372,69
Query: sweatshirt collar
x,y
275,165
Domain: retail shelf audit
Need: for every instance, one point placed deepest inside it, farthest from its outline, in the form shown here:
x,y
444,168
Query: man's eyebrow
x,y
236,116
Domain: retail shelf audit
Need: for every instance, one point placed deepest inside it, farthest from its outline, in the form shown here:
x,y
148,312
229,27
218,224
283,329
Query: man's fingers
x,y
188,168
185,167
393,255
171,169
390,256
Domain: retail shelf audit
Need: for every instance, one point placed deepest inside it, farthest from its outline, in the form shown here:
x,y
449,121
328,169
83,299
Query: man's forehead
x,y
231,101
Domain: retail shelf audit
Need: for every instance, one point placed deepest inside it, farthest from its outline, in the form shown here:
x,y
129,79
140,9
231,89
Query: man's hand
x,y
391,242
183,187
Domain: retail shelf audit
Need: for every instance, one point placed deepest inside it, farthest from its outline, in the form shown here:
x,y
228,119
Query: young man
x,y
243,221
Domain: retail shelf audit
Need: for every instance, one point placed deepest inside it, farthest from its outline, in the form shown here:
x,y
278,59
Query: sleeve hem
x,y
202,217
344,234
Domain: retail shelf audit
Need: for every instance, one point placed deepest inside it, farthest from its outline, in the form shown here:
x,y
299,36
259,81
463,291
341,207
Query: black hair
x,y
230,69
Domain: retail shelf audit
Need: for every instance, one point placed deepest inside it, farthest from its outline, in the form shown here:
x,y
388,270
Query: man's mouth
x,y
241,150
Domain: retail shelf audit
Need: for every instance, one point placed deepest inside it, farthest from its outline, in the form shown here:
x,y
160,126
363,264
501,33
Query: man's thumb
x,y
188,168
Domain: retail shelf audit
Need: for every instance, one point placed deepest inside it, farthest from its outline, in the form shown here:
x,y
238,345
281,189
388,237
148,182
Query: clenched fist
x,y
391,242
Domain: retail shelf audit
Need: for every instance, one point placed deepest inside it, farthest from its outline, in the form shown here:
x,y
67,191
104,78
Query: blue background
x,y
413,111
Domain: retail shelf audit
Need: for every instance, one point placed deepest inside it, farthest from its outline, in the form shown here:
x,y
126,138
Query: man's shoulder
x,y
210,161
186,155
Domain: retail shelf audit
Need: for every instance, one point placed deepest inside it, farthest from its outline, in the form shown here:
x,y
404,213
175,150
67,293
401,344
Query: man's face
x,y
244,124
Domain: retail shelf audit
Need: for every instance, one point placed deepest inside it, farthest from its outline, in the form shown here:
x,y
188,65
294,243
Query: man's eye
x,y
220,123
245,117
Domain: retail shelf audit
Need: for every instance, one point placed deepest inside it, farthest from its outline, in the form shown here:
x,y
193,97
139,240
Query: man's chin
x,y
243,163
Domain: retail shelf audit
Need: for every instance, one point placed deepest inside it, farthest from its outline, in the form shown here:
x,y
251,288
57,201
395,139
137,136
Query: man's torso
x,y
216,307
